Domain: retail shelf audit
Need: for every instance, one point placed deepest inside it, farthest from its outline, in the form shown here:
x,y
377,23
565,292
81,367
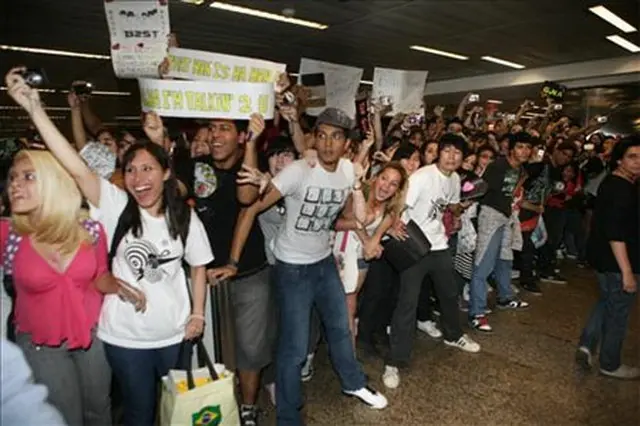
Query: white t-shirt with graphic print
x,y
313,198
152,263
429,193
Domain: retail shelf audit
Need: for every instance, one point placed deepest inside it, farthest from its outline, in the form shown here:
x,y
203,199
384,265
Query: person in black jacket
x,y
614,252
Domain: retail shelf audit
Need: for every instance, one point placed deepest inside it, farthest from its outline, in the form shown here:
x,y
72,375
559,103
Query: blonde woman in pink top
x,y
58,259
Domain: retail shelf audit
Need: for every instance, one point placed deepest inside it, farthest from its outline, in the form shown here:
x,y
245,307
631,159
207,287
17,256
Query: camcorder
x,y
35,77
82,88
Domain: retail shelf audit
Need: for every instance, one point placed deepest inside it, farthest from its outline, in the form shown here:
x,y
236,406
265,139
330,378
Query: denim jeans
x,y
607,323
138,373
298,289
482,269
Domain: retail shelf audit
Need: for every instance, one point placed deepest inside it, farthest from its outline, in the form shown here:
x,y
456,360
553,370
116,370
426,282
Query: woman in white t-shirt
x,y
157,230
358,242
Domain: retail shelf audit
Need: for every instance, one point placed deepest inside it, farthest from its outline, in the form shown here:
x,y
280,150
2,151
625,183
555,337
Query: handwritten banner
x,y
191,64
207,99
341,84
405,88
138,31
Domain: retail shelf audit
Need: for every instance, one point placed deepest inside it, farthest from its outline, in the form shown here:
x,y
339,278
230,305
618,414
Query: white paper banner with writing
x,y
191,64
206,99
341,81
405,88
138,31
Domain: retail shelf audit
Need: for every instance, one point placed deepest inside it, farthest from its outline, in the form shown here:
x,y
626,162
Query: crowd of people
x,y
323,228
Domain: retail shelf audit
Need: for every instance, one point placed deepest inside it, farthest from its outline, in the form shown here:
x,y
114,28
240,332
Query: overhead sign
x,y
139,33
191,64
207,99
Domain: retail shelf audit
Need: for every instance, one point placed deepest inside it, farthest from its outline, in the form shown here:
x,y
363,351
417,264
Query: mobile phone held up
x,y
82,88
602,119
35,77
474,97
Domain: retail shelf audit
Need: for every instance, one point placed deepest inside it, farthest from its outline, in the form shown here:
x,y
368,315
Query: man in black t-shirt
x,y
554,213
614,252
495,230
219,201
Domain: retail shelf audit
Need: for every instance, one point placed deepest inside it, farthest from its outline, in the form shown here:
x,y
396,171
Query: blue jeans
x,y
482,269
138,373
608,320
298,289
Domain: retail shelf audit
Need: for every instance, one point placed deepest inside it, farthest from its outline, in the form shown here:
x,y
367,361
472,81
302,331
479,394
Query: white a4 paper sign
x,y
341,84
405,88
138,31
207,99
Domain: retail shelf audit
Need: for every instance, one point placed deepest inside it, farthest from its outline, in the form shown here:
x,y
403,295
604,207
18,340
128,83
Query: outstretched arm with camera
x,y
28,98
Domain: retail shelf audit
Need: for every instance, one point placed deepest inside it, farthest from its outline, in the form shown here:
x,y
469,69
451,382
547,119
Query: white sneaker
x,y
306,373
431,328
515,274
271,390
464,343
391,377
369,396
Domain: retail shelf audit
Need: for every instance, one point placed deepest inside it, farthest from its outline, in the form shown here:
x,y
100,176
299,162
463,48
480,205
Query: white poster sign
x,y
99,158
191,64
405,88
341,83
138,31
207,99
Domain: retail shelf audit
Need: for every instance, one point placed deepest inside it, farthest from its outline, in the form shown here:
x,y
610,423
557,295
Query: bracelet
x,y
357,186
196,316
233,262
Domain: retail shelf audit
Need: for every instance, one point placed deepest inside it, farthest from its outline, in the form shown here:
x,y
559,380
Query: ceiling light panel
x,y
607,15
502,62
624,43
53,52
267,15
439,52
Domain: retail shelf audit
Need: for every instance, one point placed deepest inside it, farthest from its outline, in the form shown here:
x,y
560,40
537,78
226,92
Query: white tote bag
x,y
209,404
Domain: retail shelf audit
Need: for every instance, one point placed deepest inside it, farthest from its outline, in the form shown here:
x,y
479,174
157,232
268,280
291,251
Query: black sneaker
x,y
248,415
553,278
514,304
532,287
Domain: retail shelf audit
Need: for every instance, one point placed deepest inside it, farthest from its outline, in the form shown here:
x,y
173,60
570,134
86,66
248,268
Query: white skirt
x,y
347,250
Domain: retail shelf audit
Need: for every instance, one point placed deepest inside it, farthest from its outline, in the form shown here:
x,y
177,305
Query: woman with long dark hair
x,y
151,231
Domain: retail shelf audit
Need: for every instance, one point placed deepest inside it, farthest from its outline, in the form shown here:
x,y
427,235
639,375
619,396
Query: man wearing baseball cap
x,y
305,271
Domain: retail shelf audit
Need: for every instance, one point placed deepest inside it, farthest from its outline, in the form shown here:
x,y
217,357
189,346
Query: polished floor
x,y
524,374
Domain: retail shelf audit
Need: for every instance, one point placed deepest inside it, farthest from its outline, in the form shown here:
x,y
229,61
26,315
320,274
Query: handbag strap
x,y
203,360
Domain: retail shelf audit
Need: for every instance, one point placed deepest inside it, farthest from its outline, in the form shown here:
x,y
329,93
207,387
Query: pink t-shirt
x,y
56,307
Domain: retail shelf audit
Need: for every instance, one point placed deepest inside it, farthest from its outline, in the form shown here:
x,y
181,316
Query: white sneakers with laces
x,y
431,328
464,343
391,377
367,395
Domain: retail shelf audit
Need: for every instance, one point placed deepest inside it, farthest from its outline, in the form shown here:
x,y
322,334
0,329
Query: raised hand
x,y
250,176
153,127
256,127
24,95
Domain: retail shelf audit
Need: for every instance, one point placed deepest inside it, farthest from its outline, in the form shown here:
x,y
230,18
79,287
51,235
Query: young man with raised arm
x,y
306,274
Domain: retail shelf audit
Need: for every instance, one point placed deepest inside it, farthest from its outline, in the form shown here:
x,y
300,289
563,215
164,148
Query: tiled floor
x,y
524,375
